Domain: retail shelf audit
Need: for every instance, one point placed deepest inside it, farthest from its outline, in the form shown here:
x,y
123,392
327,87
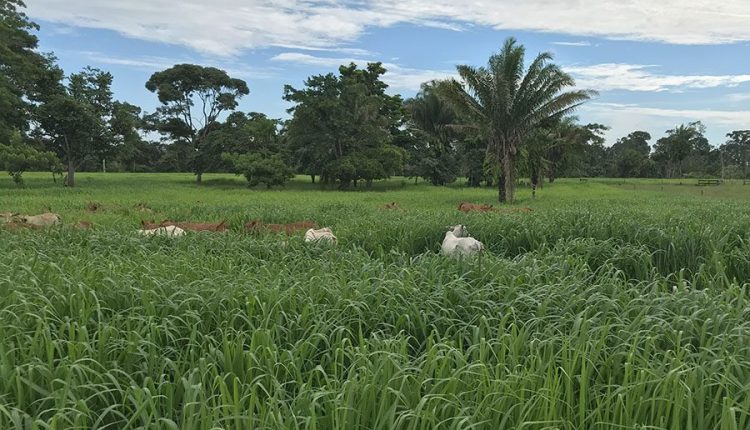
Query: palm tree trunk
x,y
501,196
509,177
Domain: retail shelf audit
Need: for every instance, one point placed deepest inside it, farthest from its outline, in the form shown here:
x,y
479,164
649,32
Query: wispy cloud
x,y
626,118
638,77
226,27
583,43
738,97
725,117
155,63
397,77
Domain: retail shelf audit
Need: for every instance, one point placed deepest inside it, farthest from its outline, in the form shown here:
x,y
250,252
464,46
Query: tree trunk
x,y
313,178
509,178
199,178
534,182
501,190
70,179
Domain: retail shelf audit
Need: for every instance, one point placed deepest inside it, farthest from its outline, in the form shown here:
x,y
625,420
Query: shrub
x,y
260,169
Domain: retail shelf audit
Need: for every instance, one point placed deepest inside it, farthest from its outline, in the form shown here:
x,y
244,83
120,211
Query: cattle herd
x,y
457,241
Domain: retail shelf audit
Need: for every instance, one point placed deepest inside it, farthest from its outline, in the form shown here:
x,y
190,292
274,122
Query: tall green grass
x,y
570,321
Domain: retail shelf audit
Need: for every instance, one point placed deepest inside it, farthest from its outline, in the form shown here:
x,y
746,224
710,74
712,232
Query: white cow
x,y
43,220
170,230
320,235
457,242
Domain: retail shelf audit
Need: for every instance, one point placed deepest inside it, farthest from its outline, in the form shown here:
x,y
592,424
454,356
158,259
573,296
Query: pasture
x,y
613,304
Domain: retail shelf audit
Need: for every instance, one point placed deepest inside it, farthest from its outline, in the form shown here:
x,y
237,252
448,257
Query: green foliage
x,y
19,158
505,103
736,153
75,123
679,143
569,321
192,99
260,169
342,126
433,124
26,76
629,156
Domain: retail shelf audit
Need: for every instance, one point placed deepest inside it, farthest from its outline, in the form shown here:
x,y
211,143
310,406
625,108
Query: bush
x,y
17,159
260,169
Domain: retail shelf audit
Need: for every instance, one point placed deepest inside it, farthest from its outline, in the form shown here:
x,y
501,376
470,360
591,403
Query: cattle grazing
x,y
457,242
255,226
321,235
188,226
467,207
43,220
170,231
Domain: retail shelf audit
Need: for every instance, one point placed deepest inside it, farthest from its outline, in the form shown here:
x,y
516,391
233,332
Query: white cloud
x,y
724,117
225,27
397,77
155,63
626,118
583,43
738,97
638,77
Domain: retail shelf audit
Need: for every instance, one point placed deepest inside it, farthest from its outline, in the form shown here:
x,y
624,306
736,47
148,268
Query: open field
x,y
614,304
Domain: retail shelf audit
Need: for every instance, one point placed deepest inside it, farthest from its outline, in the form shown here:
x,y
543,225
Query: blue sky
x,y
655,65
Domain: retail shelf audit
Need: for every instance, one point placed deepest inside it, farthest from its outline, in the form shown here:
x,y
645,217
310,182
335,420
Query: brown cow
x,y
187,226
467,207
256,226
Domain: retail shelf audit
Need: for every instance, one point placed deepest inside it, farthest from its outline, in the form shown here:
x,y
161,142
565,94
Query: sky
x,y
654,64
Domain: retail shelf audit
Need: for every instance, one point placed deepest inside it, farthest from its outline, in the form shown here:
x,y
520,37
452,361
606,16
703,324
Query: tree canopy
x,y
192,99
506,103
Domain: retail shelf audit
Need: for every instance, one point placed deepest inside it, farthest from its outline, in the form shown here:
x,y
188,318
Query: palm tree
x,y
433,122
505,104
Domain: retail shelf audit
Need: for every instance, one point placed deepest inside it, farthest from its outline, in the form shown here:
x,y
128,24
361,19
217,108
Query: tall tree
x,y
629,156
76,122
736,151
26,76
342,126
193,97
678,144
433,123
507,103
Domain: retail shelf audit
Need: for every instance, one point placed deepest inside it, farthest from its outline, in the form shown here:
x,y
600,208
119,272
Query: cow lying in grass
x,y
467,207
457,242
43,220
189,226
321,235
255,226
170,230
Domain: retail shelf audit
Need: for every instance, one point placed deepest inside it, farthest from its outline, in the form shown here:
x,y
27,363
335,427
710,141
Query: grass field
x,y
615,304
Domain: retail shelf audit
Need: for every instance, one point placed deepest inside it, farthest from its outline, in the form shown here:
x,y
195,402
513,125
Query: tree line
x,y
492,125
